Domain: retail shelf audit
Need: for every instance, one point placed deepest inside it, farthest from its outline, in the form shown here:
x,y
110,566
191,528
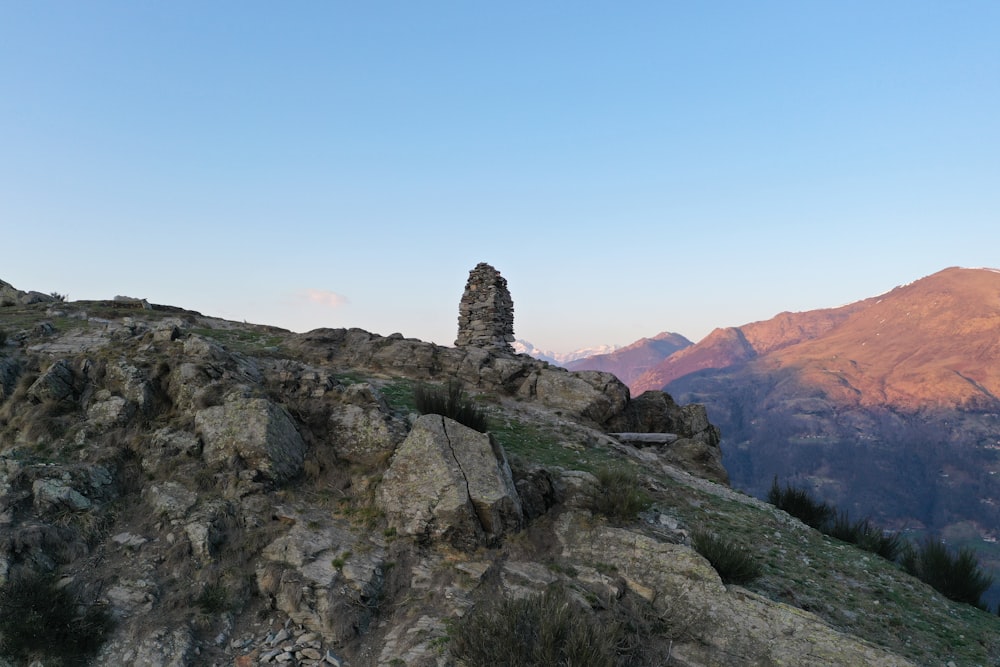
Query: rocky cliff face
x,y
239,495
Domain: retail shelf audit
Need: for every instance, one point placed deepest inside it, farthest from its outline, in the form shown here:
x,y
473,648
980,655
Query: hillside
x,y
888,406
630,362
232,494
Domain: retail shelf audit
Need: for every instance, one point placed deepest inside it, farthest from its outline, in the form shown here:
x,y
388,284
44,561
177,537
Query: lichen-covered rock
x,y
321,573
592,394
165,447
449,482
55,384
362,428
158,647
688,594
256,431
108,410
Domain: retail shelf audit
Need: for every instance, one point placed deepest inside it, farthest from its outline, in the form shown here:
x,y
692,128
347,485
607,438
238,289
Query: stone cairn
x,y
486,312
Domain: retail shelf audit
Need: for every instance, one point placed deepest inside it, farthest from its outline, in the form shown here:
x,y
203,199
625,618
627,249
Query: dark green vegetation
x,y
553,628
40,619
451,402
618,495
957,576
735,564
866,535
801,505
848,588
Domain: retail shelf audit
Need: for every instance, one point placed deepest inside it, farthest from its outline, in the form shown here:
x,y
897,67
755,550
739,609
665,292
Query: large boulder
x,y
448,482
362,428
591,394
255,430
57,383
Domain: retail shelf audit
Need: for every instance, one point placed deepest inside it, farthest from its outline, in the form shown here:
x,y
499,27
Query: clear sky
x,y
629,167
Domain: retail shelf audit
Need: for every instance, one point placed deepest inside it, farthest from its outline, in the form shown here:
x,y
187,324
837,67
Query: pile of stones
x,y
486,312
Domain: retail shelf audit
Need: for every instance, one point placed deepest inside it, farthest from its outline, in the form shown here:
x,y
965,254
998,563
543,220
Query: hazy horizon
x,y
629,169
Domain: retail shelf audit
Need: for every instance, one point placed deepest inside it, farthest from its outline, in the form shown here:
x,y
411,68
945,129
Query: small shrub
x,y
451,402
957,576
58,297
618,494
801,505
213,599
539,631
865,535
39,620
734,564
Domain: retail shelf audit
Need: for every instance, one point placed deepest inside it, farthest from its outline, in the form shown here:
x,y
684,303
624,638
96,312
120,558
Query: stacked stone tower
x,y
486,312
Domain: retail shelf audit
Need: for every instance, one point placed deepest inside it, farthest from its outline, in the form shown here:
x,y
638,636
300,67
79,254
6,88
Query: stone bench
x,y
646,438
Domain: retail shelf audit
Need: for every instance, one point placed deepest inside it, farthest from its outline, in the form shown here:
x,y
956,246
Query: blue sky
x,y
630,168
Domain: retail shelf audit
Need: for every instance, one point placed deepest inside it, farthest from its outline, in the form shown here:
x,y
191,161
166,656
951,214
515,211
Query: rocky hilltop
x,y
218,493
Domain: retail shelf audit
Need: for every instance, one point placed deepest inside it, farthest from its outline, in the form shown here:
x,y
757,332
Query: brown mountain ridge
x,y
932,343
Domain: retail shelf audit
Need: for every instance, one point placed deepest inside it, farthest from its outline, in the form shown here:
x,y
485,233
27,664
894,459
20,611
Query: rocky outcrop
x,y
486,312
11,296
363,429
240,496
254,431
322,573
447,482
687,593
697,447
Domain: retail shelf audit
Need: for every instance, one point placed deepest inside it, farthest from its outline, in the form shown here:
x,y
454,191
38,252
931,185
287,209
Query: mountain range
x,y
522,346
888,407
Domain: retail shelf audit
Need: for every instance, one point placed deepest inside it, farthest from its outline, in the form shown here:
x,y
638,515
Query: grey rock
x,y
447,481
363,428
108,410
255,430
170,499
51,494
55,384
164,448
321,573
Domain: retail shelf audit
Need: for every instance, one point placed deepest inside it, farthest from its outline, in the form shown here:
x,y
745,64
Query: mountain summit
x,y
931,343
888,406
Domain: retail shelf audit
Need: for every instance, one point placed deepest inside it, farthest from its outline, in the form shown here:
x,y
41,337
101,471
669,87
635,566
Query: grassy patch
x,y
851,589
399,395
536,444
451,402
249,341
618,495
735,564
801,505
546,629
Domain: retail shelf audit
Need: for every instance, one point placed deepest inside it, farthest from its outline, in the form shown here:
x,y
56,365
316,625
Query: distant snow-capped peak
x,y
560,358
